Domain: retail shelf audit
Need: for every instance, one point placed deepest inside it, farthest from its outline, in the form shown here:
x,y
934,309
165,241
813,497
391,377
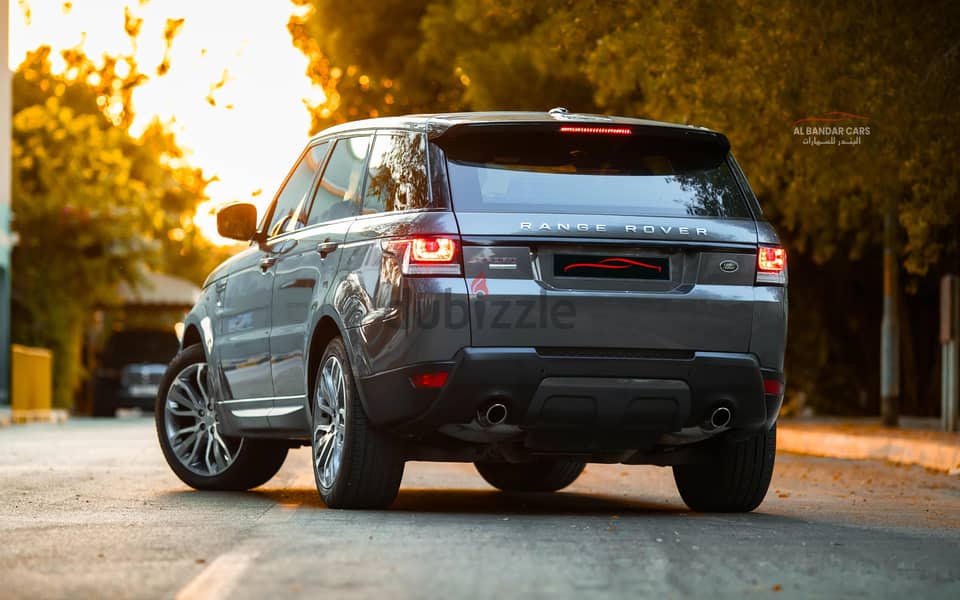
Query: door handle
x,y
266,263
326,247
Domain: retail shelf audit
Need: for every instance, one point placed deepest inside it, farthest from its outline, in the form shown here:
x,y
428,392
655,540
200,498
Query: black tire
x,y
539,476
371,461
254,463
736,481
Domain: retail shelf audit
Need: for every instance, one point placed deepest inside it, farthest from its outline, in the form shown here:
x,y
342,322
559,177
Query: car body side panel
x,y
242,325
766,234
768,339
205,318
394,320
302,284
768,336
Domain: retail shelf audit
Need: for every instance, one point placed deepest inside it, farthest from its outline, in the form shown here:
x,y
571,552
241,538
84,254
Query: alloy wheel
x,y
192,426
329,422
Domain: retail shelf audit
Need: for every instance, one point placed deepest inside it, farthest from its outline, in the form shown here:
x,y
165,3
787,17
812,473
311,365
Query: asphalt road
x,y
89,509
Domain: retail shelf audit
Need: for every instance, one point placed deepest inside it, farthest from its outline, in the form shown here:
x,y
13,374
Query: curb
x,y
937,455
20,417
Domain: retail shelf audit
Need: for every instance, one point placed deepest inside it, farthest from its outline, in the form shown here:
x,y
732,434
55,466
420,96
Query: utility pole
x,y
890,327
949,347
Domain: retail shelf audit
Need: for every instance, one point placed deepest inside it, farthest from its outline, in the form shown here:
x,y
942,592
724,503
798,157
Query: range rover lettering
x,y
529,292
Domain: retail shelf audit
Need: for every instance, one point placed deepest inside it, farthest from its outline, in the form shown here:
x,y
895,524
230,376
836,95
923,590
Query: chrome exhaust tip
x,y
720,417
492,414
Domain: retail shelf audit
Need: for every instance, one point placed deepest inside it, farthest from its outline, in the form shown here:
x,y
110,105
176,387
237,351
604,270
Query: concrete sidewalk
x,y
916,442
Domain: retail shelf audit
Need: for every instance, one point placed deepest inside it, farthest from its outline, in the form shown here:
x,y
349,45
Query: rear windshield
x,y
554,172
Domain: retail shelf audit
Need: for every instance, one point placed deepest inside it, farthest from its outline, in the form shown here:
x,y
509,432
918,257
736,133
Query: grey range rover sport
x,y
526,291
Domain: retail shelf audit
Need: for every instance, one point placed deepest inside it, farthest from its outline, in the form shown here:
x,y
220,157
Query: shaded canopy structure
x,y
159,290
155,305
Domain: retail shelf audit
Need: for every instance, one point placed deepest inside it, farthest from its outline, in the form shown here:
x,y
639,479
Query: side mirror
x,y
237,221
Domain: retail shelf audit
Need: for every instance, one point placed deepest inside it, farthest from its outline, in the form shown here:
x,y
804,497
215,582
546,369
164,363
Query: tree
x,y
92,205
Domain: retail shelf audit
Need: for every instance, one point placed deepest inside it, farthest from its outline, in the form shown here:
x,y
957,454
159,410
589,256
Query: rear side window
x,y
397,174
553,172
337,195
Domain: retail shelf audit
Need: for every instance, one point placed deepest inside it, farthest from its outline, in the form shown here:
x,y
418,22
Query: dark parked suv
x,y
525,291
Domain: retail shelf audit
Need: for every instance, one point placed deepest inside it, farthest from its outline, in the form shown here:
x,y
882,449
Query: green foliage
x,y
92,205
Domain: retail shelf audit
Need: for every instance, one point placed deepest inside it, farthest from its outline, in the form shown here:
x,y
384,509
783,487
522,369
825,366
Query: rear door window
x,y
338,194
553,172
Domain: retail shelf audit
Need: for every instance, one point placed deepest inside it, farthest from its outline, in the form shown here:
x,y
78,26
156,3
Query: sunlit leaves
x,y
92,205
170,31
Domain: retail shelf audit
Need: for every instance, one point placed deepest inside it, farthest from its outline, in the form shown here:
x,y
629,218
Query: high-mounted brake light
x,y
598,130
771,265
428,255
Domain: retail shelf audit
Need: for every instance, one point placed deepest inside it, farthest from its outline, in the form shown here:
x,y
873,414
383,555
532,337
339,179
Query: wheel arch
x,y
191,336
325,330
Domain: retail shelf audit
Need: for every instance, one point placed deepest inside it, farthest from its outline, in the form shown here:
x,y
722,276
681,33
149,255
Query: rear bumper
x,y
561,391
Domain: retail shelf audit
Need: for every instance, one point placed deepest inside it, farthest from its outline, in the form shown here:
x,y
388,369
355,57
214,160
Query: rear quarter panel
x,y
392,320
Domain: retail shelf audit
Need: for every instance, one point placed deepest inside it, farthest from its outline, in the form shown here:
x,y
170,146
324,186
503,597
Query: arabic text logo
x,y
834,128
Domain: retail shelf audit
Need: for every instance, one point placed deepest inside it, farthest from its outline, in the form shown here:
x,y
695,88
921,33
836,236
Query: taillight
x,y
433,250
428,255
771,265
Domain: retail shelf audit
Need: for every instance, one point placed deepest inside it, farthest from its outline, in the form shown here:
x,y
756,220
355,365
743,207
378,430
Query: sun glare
x,y
234,94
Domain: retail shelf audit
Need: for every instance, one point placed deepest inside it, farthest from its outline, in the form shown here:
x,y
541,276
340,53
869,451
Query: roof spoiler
x,y
696,135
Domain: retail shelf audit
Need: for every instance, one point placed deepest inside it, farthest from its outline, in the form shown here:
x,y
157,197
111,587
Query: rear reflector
x,y
771,265
596,130
772,386
429,380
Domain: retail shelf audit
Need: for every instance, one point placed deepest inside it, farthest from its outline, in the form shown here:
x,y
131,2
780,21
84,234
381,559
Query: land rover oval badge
x,y
729,266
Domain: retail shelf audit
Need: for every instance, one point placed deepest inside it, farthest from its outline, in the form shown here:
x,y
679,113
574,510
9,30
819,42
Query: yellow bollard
x,y
31,383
